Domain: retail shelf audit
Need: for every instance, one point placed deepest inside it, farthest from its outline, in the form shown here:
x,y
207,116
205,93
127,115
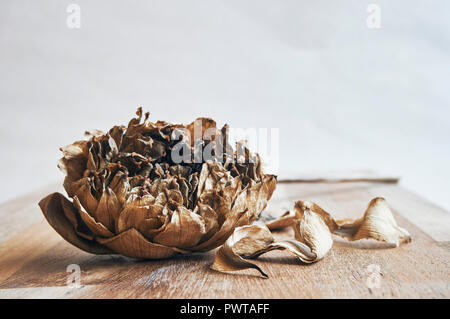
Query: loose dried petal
x,y
310,228
378,223
274,223
251,242
228,257
302,207
313,228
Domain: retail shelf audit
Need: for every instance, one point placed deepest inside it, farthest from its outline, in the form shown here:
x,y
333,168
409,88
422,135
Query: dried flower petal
x,y
254,238
52,206
273,223
95,227
313,228
378,223
251,242
184,230
132,244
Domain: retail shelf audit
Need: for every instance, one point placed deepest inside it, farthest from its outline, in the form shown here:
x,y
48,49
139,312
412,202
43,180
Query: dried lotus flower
x,y
313,228
130,197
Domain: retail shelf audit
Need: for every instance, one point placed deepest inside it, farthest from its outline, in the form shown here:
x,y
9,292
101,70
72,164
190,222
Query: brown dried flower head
x,y
132,196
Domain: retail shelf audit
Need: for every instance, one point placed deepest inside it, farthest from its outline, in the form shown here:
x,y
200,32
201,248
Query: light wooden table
x,y
34,258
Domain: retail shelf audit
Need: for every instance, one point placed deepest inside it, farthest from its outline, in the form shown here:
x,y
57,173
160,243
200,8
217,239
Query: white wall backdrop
x,y
343,95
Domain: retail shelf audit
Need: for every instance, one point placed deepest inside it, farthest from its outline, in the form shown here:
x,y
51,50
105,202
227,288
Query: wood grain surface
x,y
34,258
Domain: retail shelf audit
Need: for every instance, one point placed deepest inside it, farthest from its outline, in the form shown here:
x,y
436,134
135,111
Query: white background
x,y
344,96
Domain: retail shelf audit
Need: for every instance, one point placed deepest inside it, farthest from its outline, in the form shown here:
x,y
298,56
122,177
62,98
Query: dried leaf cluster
x,y
129,197
313,229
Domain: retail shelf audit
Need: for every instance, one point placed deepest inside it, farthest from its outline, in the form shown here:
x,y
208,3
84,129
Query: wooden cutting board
x,y
34,259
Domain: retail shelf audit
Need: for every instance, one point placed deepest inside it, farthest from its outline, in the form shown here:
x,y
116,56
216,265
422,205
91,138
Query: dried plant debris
x,y
377,223
313,229
245,241
273,222
130,196
251,242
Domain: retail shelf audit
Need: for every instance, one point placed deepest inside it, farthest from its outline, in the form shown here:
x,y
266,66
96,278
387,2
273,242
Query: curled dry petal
x,y
63,217
313,232
377,223
131,196
274,223
252,241
313,228
246,240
